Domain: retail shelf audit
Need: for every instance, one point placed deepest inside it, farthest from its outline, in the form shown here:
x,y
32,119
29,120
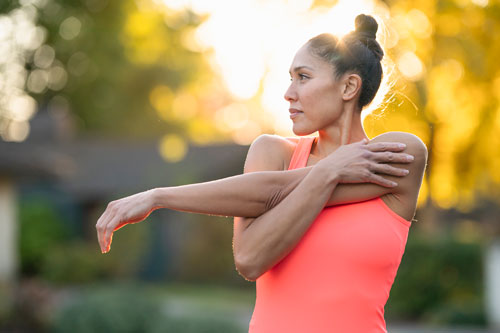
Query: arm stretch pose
x,y
321,223
349,177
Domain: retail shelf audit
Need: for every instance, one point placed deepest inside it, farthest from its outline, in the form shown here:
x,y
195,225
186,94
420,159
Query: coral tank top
x,y
339,275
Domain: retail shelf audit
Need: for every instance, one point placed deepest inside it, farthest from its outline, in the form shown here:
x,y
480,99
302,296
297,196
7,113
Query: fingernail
x,y
401,145
410,158
406,171
394,184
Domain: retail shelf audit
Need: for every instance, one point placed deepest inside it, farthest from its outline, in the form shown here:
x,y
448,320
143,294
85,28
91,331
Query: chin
x,y
302,131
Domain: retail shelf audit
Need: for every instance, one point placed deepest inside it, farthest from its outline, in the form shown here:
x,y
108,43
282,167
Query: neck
x,y
347,129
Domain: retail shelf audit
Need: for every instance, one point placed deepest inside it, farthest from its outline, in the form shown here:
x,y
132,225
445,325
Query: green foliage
x,y
79,261
115,310
41,229
49,251
8,5
208,256
72,262
120,55
128,309
467,313
440,281
198,325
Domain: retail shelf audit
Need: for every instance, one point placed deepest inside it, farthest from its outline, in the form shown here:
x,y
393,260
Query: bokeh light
x,y
173,148
70,28
254,43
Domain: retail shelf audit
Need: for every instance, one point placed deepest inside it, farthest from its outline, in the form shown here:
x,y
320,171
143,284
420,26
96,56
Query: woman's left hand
x,y
131,209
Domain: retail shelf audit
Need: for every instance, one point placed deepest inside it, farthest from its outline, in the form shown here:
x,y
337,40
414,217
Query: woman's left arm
x,y
252,194
246,195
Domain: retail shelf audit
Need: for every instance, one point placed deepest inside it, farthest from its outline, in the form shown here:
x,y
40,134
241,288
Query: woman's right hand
x,y
128,210
364,162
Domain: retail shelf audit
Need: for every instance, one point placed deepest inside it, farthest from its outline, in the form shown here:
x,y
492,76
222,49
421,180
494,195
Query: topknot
x,y
366,26
357,52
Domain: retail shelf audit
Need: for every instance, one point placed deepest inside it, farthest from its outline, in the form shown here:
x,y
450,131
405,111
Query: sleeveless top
x,y
338,277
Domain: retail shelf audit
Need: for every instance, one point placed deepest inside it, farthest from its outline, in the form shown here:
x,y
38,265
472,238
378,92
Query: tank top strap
x,y
301,153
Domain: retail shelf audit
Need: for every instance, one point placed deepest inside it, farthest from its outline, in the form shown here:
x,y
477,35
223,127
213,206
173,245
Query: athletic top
x,y
339,275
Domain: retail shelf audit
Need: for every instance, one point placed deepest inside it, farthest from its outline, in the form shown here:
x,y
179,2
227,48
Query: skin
x,y
273,207
329,107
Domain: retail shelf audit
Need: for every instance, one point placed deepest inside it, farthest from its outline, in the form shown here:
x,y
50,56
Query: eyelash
x,y
302,76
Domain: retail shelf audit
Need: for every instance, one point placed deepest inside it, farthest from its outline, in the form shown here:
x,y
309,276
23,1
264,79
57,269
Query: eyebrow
x,y
298,68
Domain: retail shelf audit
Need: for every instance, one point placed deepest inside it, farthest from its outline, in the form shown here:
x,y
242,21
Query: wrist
x,y
329,175
158,198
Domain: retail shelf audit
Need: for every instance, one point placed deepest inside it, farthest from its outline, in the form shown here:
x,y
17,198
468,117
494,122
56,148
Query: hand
x,y
131,209
363,162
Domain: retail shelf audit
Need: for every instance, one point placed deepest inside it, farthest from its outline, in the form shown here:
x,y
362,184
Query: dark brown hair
x,y
357,52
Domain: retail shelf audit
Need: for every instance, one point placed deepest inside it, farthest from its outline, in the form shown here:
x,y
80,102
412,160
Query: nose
x,y
290,94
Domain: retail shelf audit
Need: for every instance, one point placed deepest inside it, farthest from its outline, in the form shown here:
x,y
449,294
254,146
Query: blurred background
x,y
101,99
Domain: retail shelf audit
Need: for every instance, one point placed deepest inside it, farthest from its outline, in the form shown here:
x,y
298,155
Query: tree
x,y
446,54
122,68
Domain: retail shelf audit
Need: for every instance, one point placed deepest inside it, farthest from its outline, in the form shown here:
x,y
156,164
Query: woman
x,y
320,222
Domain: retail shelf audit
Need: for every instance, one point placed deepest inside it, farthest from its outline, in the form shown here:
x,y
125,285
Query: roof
x,y
96,168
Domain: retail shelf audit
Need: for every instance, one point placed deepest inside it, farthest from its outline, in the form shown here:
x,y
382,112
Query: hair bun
x,y
366,26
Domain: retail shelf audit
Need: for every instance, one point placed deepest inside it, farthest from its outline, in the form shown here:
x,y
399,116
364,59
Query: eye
x,y
301,77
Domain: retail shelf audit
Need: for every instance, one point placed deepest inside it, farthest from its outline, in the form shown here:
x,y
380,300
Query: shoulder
x,y
411,183
269,152
403,198
413,143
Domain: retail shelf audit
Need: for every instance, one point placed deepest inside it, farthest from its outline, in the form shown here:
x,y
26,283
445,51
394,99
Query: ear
x,y
351,86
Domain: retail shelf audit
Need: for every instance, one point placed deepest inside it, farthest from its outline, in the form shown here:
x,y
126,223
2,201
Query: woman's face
x,y
314,96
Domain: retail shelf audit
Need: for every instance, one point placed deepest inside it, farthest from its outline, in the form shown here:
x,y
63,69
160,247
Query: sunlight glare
x,y
21,108
254,43
17,131
411,66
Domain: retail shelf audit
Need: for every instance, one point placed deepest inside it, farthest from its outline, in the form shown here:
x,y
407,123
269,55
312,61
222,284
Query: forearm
x,y
265,241
343,193
251,194
247,195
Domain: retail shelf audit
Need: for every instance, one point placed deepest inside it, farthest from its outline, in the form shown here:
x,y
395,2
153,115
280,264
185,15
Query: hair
x,y
357,52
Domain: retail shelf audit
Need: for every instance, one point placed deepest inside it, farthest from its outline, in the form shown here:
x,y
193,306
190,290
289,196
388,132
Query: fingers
x,y
386,146
108,234
384,152
390,157
101,224
104,228
377,179
389,170
108,246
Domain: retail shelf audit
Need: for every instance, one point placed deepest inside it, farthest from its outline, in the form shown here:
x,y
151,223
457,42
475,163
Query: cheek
x,y
314,95
327,100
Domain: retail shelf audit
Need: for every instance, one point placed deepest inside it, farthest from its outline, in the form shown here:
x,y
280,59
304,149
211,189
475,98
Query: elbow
x,y
246,268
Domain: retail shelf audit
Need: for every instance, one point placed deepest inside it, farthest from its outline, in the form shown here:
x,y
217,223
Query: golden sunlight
x,y
253,44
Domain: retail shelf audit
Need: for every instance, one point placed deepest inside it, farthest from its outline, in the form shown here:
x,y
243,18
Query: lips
x,y
294,113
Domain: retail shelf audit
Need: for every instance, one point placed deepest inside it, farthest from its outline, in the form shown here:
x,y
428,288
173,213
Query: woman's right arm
x,y
260,243
255,192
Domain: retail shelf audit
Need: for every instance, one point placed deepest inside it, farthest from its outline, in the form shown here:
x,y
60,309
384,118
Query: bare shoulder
x,y
269,152
414,145
403,199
